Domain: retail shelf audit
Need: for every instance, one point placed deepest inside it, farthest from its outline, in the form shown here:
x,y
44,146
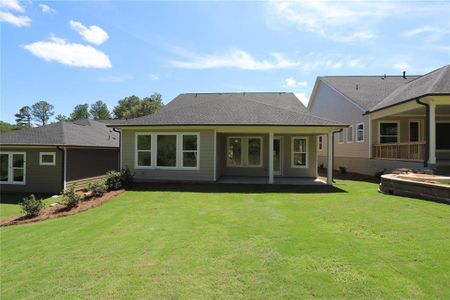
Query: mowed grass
x,y
217,241
10,203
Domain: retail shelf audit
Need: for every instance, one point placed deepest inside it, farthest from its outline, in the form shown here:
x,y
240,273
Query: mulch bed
x,y
59,210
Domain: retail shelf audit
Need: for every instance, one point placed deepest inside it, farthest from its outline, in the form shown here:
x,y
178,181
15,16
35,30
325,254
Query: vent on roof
x,y
384,77
404,74
357,87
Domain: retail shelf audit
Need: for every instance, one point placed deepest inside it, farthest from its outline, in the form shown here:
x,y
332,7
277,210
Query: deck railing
x,y
400,151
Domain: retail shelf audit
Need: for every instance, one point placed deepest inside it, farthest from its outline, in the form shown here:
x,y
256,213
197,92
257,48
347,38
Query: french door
x,y
12,167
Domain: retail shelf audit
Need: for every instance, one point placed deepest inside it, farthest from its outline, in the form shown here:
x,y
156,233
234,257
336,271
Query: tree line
x,y
127,108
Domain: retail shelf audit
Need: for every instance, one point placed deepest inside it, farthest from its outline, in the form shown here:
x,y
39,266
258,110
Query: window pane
x,y
388,139
190,159
299,145
414,132
350,134
18,160
167,151
144,158
254,152
442,138
4,164
144,142
341,137
189,142
18,175
235,152
299,159
47,158
388,129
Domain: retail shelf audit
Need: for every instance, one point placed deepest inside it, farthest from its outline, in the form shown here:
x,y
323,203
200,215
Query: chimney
x,y
404,74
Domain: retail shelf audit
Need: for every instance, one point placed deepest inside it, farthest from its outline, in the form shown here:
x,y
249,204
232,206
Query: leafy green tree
x,y
99,111
23,117
150,105
61,117
42,111
133,106
5,127
81,111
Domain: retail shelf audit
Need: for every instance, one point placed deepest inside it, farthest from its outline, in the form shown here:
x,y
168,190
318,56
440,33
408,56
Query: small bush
x,y
379,173
97,188
117,179
31,206
71,198
343,170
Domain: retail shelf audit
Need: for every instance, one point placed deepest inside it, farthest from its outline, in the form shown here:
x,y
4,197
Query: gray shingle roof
x,y
434,83
278,109
371,89
83,133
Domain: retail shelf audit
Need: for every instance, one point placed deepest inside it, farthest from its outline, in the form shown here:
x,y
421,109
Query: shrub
x,y
97,188
117,179
379,173
343,170
31,206
71,198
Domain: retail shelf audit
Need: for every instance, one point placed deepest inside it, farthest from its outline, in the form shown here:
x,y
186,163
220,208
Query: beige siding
x,y
332,105
404,127
205,172
38,179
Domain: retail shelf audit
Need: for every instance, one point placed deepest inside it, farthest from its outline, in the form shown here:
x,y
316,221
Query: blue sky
x,y
75,52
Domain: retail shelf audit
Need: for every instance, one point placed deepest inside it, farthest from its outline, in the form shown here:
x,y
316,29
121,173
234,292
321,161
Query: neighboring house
x,y
209,136
395,121
49,158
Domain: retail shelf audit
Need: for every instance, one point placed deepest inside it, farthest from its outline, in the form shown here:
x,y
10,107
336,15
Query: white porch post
x,y
330,159
432,138
271,158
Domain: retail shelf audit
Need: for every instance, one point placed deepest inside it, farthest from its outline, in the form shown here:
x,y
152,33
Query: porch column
x,y
432,138
271,158
330,159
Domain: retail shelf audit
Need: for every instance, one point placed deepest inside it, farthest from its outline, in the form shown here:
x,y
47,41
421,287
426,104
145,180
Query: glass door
x,y
277,156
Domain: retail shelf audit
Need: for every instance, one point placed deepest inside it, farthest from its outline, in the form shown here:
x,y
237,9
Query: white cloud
x,y
18,21
291,82
345,22
71,54
92,34
154,77
11,5
46,9
303,98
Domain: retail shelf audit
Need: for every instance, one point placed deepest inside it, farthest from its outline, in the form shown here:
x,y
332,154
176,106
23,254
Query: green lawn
x,y
232,242
9,203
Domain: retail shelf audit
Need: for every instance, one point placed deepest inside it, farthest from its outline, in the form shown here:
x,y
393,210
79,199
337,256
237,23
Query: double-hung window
x,y
12,167
341,137
350,134
360,132
244,151
190,151
388,132
143,150
299,152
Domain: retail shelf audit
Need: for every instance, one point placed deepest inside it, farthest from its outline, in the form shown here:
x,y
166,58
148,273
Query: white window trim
x,y
41,163
10,168
292,152
363,132
353,133
154,151
244,151
342,132
385,122
320,142
419,129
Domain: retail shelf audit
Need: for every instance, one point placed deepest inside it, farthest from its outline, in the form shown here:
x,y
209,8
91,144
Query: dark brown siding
x,y
84,163
38,179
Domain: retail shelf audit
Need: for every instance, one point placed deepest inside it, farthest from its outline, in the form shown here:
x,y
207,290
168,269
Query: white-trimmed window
x,y
244,151
12,167
350,134
190,151
388,132
167,150
320,142
144,150
47,158
299,152
360,132
341,137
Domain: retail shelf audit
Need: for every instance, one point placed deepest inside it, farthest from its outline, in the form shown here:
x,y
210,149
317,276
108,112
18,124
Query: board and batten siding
x,y
206,167
38,178
332,105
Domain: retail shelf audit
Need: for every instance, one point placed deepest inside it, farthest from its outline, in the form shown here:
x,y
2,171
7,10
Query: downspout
x,y
427,136
120,146
63,174
332,150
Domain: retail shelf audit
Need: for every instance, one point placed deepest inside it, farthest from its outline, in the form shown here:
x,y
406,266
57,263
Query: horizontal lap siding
x,y
39,179
86,163
205,173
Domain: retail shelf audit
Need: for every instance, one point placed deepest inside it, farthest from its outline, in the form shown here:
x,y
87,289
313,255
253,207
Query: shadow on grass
x,y
16,198
234,188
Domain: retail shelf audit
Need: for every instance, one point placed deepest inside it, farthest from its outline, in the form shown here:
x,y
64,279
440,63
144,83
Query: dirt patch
x,y
59,210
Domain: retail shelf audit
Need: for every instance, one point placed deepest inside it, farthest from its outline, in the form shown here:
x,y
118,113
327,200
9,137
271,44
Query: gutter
x,y
120,146
332,151
63,174
427,140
